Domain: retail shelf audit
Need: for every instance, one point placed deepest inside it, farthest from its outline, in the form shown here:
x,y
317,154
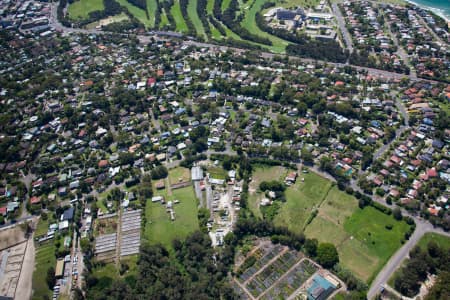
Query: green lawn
x,y
137,13
442,240
42,226
301,199
193,15
363,242
44,259
81,9
180,24
159,227
249,23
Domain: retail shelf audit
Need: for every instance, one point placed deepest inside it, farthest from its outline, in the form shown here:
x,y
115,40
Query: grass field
x,y
45,258
81,9
159,227
301,199
363,242
260,174
249,23
193,15
217,172
441,240
180,24
179,174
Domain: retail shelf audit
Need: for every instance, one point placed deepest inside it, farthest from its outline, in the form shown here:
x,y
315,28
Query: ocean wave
x,y
438,11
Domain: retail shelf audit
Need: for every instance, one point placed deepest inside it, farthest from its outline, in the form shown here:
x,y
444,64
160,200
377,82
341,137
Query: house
x,y
35,200
160,185
157,199
291,178
68,214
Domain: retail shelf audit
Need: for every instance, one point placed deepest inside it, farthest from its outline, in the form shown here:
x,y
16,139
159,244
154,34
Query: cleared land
x,y
159,227
301,199
360,235
81,9
12,236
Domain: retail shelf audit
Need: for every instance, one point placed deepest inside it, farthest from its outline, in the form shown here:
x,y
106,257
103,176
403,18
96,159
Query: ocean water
x,y
439,7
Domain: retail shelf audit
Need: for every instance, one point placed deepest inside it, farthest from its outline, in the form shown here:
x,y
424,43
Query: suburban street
x,y
268,55
422,226
341,23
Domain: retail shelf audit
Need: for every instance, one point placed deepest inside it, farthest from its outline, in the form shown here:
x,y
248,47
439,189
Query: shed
x,y
59,270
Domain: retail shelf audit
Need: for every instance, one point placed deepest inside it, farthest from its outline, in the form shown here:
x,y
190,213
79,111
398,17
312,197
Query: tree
x,y
397,213
311,247
159,172
327,255
51,279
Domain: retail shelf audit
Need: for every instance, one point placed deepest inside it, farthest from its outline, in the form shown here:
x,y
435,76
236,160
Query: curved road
x,y
422,226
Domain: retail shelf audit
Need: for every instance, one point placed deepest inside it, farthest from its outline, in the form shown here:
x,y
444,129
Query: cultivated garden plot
x,y
272,273
263,256
292,281
276,273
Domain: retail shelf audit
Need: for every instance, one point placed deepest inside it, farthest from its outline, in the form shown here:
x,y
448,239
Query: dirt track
x,y
24,286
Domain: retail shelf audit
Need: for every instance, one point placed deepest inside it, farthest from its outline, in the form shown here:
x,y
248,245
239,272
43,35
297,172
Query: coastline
x,y
435,10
